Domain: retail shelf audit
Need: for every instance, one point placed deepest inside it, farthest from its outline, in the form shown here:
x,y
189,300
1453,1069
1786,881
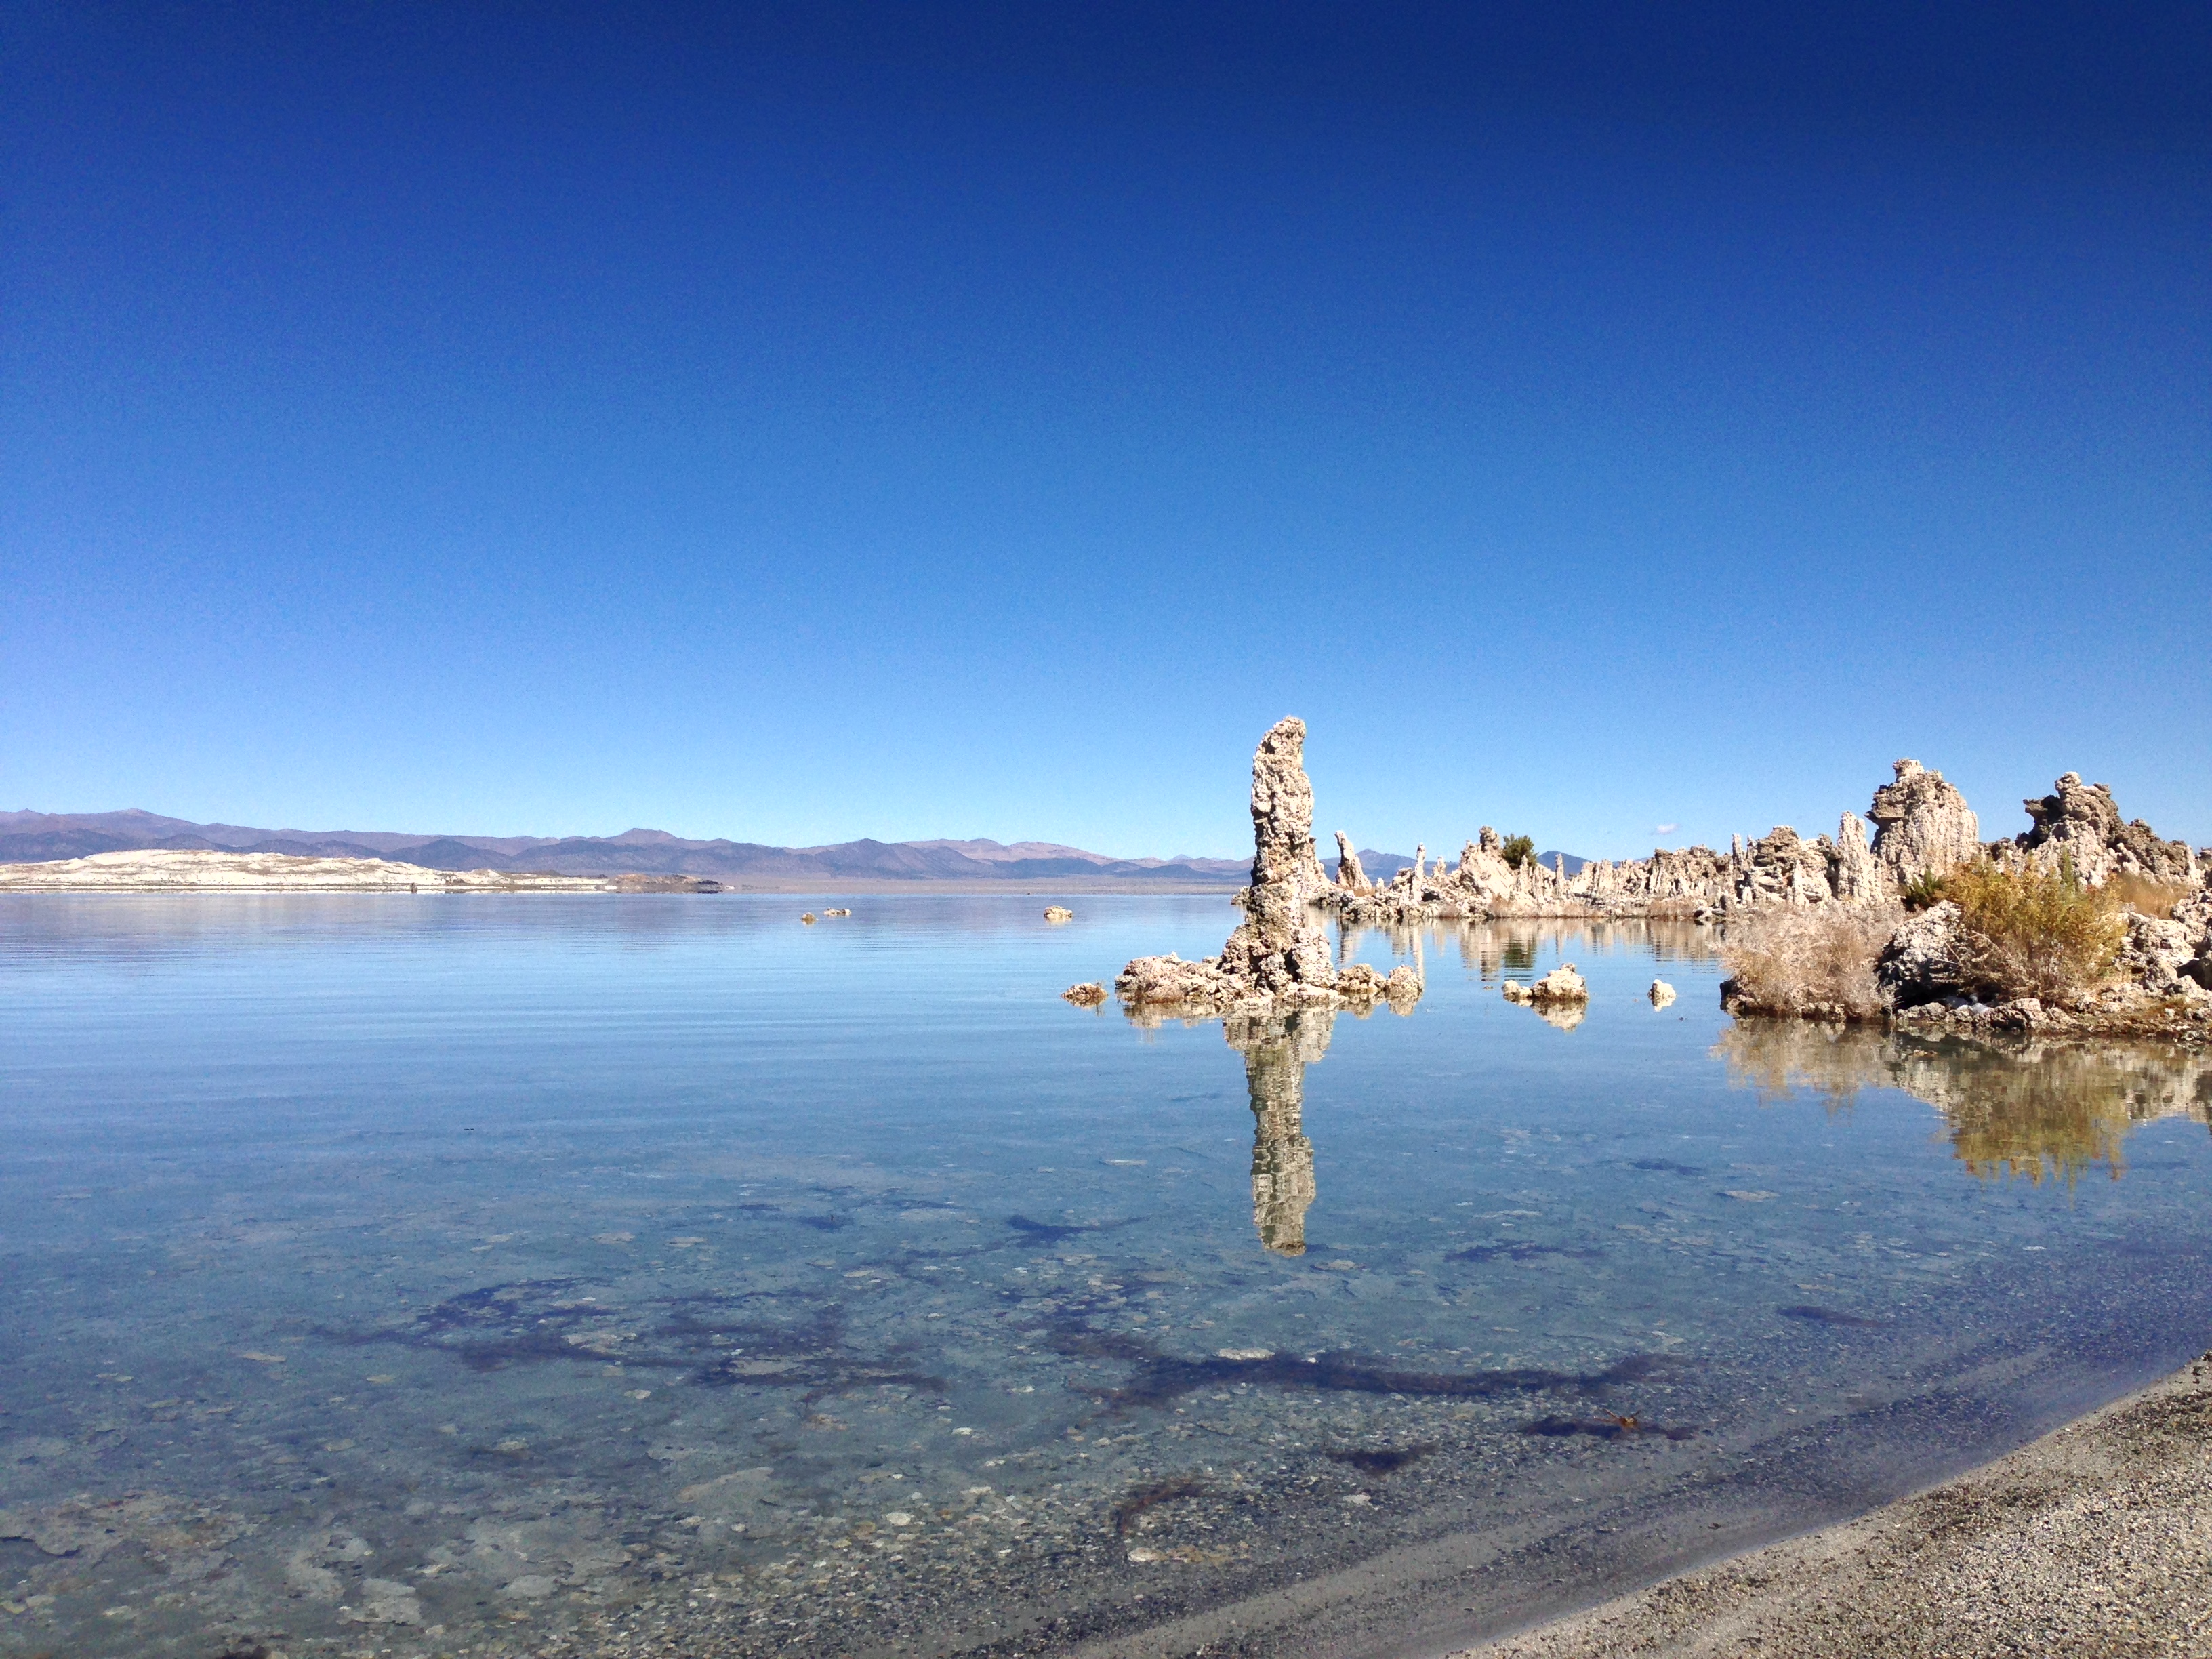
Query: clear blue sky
x,y
803,422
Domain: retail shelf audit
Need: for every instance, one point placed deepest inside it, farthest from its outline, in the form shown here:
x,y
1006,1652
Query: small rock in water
x,y
836,913
1662,993
1087,995
808,918
1562,984
1058,913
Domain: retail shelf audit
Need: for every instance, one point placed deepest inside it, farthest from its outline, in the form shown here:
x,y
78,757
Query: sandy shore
x,y
2094,1542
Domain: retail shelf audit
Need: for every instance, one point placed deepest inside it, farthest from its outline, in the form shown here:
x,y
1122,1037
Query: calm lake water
x,y
561,1275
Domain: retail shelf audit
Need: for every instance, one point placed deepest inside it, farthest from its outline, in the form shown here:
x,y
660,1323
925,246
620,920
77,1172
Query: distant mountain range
x,y
29,837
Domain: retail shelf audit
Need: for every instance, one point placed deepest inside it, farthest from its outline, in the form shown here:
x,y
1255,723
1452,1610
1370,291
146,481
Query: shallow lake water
x,y
552,1275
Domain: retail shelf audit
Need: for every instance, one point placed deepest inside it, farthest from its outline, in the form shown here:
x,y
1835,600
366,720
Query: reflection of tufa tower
x,y
1277,1051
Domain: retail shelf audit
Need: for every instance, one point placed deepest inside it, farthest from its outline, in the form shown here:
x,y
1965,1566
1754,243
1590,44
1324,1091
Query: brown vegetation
x,y
2036,933
1817,960
2147,896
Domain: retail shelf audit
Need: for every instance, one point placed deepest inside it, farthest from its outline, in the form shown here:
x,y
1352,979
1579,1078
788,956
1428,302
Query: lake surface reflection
x,y
563,1275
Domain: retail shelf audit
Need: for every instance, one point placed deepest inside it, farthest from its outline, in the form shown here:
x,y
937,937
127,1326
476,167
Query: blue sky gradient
x,y
797,423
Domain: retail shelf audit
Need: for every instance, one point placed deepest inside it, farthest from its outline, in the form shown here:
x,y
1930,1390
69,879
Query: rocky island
x,y
2084,924
1279,957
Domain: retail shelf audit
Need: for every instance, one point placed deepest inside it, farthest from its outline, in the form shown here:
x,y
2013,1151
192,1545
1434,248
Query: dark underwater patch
x,y
1519,1250
1816,1315
1607,1428
1385,1462
1054,1232
1160,1379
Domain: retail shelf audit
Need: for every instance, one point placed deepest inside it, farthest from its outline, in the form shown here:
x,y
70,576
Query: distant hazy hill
x,y
38,836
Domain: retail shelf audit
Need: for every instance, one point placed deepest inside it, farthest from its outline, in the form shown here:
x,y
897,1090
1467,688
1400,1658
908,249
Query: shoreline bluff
x,y
196,870
2094,1539
1280,959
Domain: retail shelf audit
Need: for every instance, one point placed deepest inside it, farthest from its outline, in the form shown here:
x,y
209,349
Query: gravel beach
x,y
2093,1542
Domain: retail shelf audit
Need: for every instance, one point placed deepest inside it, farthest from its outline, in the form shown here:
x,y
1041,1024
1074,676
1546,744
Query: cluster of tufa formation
x,y
1279,956
1922,829
1848,893
2078,821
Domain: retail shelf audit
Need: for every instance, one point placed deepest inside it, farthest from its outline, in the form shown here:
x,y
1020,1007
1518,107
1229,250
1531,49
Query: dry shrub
x,y
1789,959
2147,896
2032,932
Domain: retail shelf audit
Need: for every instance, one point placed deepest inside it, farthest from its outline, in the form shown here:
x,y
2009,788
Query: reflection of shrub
x,y
2012,1108
1791,959
2032,932
1520,850
2147,896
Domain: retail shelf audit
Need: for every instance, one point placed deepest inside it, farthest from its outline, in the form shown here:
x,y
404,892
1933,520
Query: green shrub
x,y
1520,850
2033,932
1923,891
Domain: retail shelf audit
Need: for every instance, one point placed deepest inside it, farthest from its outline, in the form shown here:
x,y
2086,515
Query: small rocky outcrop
x,y
1351,874
1923,826
1057,913
1853,875
1782,867
2082,821
1923,962
1088,995
1278,957
2195,913
2158,956
1562,984
1284,864
1662,993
